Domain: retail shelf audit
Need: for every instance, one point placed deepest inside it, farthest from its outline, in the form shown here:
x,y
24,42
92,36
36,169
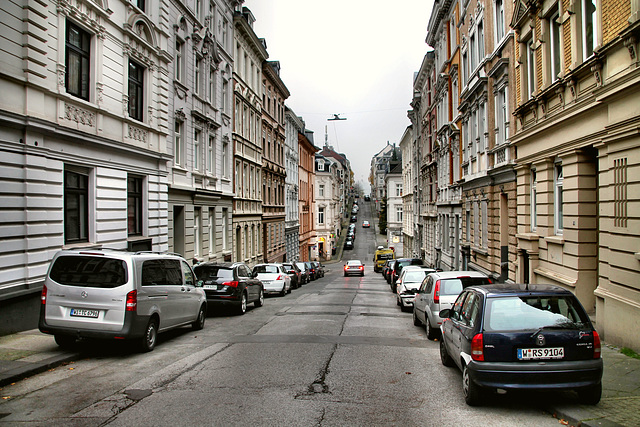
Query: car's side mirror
x,y
444,314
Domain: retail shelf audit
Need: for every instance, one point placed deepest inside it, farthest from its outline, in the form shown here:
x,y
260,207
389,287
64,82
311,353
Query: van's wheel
x,y
148,340
472,391
260,301
199,322
65,341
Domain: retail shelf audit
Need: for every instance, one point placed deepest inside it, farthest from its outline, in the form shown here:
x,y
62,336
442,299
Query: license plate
x,y
540,353
79,312
215,287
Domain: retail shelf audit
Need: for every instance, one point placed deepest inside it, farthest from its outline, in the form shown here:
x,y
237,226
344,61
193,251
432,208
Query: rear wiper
x,y
561,326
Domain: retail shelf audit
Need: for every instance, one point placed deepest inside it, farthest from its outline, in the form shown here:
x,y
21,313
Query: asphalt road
x,y
338,351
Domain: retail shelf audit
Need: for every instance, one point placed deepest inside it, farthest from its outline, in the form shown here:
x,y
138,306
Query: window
x,y
197,77
179,61
78,51
321,190
224,160
140,4
136,85
211,148
485,224
197,150
480,42
476,224
554,46
398,213
212,230
134,205
225,91
589,28
197,231
502,116
211,89
482,125
558,182
212,17
531,70
321,166
320,216
177,143
225,225
620,184
499,20
76,206
534,200
398,190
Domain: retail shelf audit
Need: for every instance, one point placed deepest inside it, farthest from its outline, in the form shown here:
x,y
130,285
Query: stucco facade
x,y
294,125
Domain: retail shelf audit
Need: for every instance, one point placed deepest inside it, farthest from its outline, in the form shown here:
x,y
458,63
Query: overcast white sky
x,y
352,57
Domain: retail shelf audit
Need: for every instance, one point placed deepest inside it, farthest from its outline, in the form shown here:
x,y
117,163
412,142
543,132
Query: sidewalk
x,y
27,353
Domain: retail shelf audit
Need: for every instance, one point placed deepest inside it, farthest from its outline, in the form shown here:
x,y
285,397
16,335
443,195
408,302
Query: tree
x,y
382,218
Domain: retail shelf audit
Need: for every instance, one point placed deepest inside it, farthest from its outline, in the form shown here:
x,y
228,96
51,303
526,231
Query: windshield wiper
x,y
560,326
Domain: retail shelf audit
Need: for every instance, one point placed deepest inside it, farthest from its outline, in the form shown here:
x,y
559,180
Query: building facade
x,y
294,126
250,53
83,135
395,206
407,147
274,93
328,205
306,198
577,86
200,197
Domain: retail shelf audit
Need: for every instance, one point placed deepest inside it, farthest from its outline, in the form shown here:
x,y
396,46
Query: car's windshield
x,y
301,265
414,276
265,269
385,256
89,271
534,312
204,272
354,263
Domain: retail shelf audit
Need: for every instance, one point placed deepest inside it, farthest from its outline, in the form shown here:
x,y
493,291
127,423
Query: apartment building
x,y
577,87
200,196
306,196
408,148
328,206
294,125
249,54
274,93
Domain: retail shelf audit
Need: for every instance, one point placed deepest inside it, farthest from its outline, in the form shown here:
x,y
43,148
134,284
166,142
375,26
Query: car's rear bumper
x,y
134,326
537,375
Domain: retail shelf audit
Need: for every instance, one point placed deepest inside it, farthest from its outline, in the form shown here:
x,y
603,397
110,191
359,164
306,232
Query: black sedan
x,y
348,244
230,284
294,272
531,337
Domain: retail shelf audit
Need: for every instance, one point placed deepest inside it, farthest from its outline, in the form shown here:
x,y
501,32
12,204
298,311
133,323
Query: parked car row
x,y
349,241
109,294
502,337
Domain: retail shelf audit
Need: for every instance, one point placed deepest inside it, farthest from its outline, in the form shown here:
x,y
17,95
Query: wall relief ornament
x,y
79,115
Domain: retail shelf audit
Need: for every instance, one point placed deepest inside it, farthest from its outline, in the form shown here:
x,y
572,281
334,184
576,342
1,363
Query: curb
x,y
28,369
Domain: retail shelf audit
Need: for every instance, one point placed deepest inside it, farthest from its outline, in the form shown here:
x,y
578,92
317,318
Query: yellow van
x,y
380,257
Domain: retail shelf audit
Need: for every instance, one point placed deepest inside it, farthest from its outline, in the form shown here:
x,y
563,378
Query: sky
x,y
355,58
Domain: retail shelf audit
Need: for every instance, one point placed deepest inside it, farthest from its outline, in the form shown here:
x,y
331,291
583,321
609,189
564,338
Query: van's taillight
x,y
436,294
280,277
597,350
132,301
489,280
43,295
233,284
477,348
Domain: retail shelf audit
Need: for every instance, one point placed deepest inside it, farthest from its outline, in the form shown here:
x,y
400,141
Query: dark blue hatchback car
x,y
507,336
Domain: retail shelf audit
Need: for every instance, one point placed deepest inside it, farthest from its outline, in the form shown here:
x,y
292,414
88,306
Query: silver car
x,y
119,295
408,283
439,291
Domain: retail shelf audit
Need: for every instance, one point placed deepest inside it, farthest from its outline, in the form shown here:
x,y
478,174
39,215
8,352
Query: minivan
x,y
112,294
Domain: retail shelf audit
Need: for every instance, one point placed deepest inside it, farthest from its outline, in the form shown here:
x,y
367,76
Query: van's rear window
x,y
89,271
385,256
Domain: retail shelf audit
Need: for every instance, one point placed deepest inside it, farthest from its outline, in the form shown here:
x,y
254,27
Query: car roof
x,y
455,274
354,261
417,267
519,289
219,264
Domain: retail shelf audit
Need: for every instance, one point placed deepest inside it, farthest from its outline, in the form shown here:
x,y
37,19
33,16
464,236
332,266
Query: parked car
x,y
294,272
354,267
354,218
304,272
408,283
385,269
396,269
114,295
521,337
313,274
365,224
230,284
348,244
367,198
274,278
319,268
351,234
438,291
380,256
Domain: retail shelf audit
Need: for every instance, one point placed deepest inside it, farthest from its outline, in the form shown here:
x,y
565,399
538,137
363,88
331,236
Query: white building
x,y
407,147
395,207
294,125
83,132
328,206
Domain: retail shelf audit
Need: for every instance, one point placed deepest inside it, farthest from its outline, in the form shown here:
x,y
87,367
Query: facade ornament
x,y
62,71
596,70
79,115
125,105
630,43
560,93
99,92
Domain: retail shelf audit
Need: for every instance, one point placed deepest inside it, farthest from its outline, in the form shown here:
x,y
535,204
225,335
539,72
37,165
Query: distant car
x,y
319,268
396,269
230,284
274,278
438,291
408,283
512,337
386,267
367,198
354,267
348,244
365,224
354,218
313,274
294,272
304,272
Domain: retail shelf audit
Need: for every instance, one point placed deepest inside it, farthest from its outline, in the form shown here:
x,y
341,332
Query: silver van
x,y
111,294
439,291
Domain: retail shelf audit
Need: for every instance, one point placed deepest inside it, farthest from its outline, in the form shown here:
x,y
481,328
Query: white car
x,y
274,278
408,284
